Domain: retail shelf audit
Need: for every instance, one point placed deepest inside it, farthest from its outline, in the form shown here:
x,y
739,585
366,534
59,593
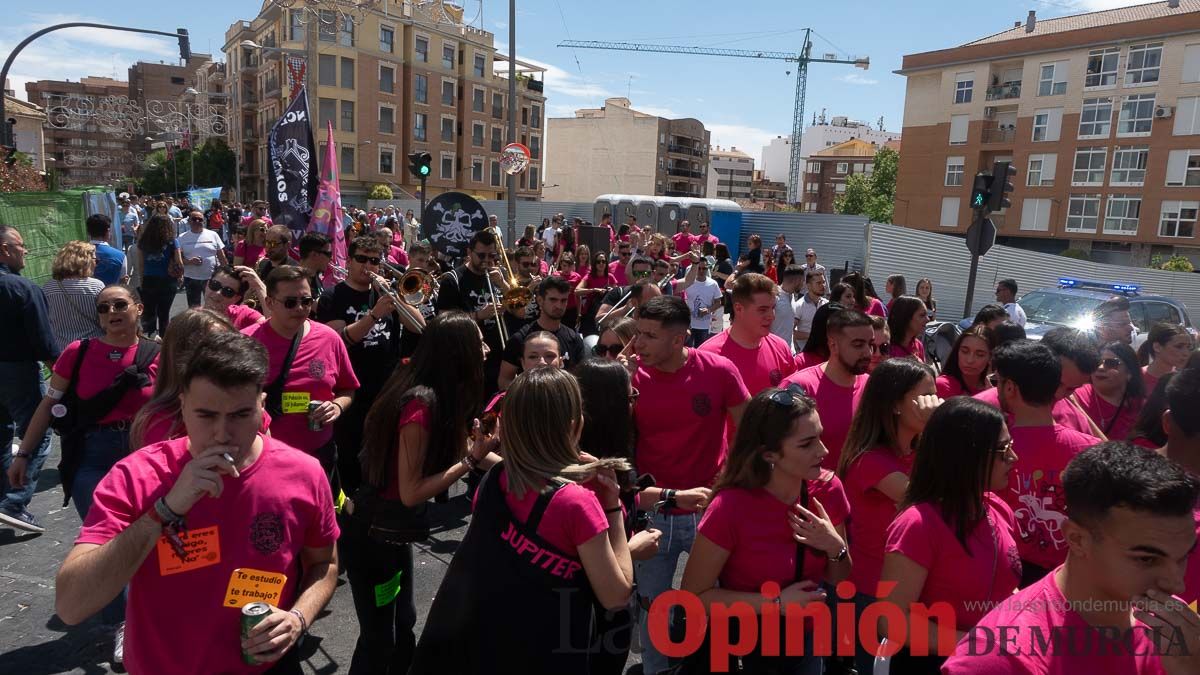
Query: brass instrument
x,y
416,287
517,297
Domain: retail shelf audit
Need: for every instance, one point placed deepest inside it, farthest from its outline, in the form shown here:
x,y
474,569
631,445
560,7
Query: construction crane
x,y
801,60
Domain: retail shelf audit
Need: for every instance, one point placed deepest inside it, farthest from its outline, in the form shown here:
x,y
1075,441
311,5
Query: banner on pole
x,y
202,198
293,186
327,212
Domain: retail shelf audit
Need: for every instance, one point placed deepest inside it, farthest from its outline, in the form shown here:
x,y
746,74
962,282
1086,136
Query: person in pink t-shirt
x,y
226,480
227,289
320,371
1131,526
687,396
683,241
1165,350
762,359
966,369
776,517
1027,376
953,541
906,319
1183,448
837,384
1115,396
618,268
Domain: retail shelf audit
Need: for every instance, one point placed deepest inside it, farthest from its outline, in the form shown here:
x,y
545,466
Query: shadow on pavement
x,y
85,648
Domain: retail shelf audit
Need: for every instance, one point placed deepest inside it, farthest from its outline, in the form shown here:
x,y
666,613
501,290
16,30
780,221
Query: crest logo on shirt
x,y
266,533
316,369
701,404
776,377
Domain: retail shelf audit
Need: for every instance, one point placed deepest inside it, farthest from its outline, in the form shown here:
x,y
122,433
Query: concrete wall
x,y
594,156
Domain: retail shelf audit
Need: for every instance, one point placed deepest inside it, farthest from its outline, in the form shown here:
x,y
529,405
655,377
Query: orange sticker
x,y
247,586
202,548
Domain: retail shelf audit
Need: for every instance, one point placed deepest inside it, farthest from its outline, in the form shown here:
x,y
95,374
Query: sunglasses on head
x,y
787,398
303,301
601,350
116,306
218,287
362,259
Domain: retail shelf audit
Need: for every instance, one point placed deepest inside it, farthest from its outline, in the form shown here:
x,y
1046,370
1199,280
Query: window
x,y
327,70
447,93
347,116
1137,114
839,188
421,46
1102,67
1123,213
1035,215
448,129
387,120
1142,64
949,212
1041,170
477,135
1047,124
387,79
964,83
448,52
1095,118
326,31
535,147
327,108
296,25
348,159
347,73
1129,165
535,116
858,167
497,106
954,170
497,139
1178,219
842,167
480,64
421,89
812,188
958,129
387,40
477,100
524,116
387,160
495,174
533,178
477,170
1191,63
1187,116
447,172
346,37
814,167
1089,166
1083,212
1052,80
1183,168
419,121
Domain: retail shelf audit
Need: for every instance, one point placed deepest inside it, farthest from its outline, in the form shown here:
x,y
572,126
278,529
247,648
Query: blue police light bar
x,y
1069,282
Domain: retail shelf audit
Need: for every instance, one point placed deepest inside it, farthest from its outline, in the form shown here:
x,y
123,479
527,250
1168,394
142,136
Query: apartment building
x,y
401,81
81,149
822,133
731,174
616,149
27,127
1099,113
160,91
826,172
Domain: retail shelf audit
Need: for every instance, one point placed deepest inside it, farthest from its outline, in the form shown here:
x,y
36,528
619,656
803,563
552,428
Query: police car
x,y
1074,300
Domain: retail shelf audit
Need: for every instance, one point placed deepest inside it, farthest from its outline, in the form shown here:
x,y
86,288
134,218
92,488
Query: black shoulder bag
x,y
274,391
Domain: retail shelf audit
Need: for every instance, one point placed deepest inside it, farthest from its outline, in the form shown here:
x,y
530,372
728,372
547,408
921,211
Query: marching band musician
x,y
475,287
420,259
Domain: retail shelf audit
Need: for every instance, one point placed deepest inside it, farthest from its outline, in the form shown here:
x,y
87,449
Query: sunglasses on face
x,y
1111,364
363,259
270,243
303,301
881,349
218,287
116,306
641,274
601,350
786,398
197,219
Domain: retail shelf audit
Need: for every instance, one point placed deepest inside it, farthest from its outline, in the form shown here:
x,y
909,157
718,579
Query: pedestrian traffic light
x,y
185,45
418,164
980,195
1001,186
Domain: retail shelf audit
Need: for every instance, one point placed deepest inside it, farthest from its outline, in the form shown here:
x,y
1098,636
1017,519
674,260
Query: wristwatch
x,y
840,556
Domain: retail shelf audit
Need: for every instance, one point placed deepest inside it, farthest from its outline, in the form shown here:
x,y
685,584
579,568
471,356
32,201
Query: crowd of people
x,y
610,411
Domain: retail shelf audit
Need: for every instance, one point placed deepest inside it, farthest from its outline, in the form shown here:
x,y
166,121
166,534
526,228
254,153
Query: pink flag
x,y
327,216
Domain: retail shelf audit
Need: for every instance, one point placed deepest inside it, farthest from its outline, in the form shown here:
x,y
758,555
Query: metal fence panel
x,y
838,240
528,213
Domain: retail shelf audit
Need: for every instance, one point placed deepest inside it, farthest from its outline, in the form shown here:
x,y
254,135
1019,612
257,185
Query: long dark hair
x,y
1161,333
904,308
856,281
446,373
608,429
953,467
1149,422
875,422
764,426
158,232
1135,389
818,335
952,368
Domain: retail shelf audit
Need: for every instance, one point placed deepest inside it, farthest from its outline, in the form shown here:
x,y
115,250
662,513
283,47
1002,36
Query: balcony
x,y
681,193
272,54
685,173
684,150
1004,134
534,85
1008,90
248,101
250,135
271,90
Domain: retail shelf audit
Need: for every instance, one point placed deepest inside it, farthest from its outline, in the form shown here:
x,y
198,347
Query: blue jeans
x,y
101,450
699,336
655,576
21,390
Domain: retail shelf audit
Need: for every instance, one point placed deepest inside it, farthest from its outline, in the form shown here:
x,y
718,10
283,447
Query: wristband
x,y
55,394
669,499
341,410
22,455
470,462
303,621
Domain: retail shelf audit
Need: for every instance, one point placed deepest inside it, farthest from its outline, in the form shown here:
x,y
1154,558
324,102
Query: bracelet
x,y
668,497
23,455
470,462
615,509
303,621
339,407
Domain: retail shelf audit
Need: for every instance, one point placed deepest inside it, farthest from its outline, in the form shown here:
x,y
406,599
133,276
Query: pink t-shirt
x,y
683,244
101,365
242,316
915,348
681,416
1063,412
413,412
573,516
594,299
1102,412
260,523
990,571
835,405
948,387
573,279
1040,615
873,512
806,360
397,256
875,307
752,525
321,367
616,269
761,368
1035,491
1191,577
703,239
250,254
1150,380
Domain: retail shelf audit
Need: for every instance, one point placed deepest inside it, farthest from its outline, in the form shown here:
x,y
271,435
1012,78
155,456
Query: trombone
x,y
416,287
515,297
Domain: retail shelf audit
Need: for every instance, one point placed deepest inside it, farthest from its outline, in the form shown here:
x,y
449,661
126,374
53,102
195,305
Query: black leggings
x,y
385,638
157,295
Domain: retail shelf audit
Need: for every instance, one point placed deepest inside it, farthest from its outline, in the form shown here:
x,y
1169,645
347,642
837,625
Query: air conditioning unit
x,y
1161,111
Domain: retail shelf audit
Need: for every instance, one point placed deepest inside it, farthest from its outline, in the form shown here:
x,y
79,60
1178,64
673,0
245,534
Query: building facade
x,y
28,122
396,83
731,174
80,149
822,133
616,149
1100,115
826,172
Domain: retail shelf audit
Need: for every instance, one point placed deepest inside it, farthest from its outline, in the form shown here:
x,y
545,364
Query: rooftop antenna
x,y
629,88
881,122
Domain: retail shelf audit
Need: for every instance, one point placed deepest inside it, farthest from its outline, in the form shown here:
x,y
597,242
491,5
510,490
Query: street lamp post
x,y
512,116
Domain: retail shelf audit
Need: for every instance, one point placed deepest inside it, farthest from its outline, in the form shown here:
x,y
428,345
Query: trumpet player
x,y
420,259
469,288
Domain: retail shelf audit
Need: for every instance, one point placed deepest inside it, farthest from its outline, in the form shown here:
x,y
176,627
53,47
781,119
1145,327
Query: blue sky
x,y
744,102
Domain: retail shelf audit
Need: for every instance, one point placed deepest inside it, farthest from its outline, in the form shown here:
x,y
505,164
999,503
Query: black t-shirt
x,y
409,339
614,295
570,344
467,291
375,357
756,265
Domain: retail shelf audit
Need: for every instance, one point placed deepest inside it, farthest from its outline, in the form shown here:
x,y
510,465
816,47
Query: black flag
x,y
293,187
449,222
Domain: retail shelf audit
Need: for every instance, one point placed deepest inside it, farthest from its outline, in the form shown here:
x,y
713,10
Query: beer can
x,y
252,614
313,425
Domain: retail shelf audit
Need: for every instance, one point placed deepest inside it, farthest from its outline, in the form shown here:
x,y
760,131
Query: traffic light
x,y
418,164
981,191
185,44
1002,186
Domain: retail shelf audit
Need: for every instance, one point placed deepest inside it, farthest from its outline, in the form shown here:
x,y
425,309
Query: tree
x,y
19,175
215,165
1178,263
380,192
872,196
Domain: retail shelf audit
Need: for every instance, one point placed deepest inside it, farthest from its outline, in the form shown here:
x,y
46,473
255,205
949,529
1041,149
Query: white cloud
x,y
857,78
659,111
1097,5
560,83
749,140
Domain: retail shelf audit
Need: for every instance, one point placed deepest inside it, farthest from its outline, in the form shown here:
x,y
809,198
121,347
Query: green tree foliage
x,y
1076,254
1178,263
215,167
380,192
872,196
20,176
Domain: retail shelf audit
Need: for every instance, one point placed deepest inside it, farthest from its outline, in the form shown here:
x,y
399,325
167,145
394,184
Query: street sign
x,y
981,236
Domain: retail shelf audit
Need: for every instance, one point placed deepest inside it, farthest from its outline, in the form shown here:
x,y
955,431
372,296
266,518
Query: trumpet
x,y
384,287
416,287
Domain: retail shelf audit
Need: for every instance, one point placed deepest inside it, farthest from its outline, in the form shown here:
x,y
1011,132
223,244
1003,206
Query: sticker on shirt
x,y
249,585
296,402
201,548
775,376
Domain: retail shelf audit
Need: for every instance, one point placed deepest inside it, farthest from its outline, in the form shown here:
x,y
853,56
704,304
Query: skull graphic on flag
x,y
450,220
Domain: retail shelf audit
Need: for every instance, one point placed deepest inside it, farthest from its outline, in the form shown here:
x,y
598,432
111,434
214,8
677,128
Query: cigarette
x,y
228,457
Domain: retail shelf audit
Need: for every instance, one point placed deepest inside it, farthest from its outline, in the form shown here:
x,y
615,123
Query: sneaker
x,y
22,520
118,657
